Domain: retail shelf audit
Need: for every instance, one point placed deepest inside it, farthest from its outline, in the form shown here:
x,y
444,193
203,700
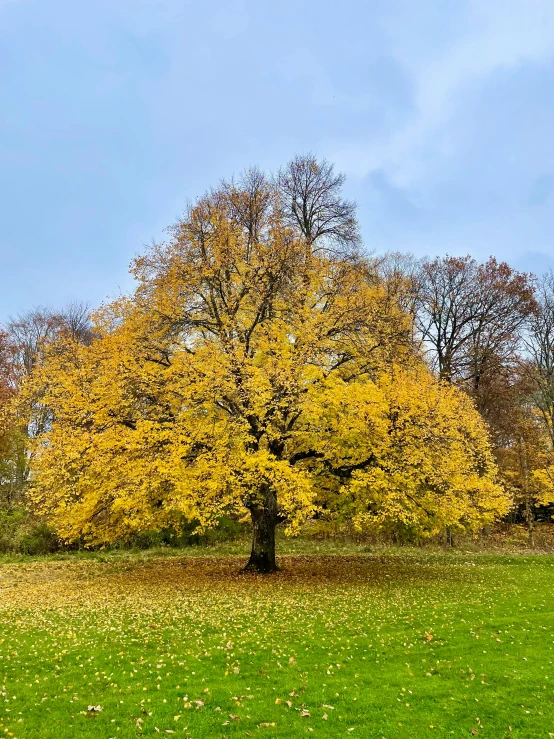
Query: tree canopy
x,y
261,367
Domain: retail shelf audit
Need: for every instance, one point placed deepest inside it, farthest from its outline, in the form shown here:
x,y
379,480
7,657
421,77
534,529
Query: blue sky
x,y
116,112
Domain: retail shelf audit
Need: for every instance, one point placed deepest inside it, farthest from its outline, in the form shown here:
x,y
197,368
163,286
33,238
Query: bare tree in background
x,y
540,345
312,202
75,319
471,316
30,332
400,274
10,446
22,346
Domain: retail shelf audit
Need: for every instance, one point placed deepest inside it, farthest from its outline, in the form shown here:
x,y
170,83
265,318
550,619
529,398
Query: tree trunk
x,y
264,522
529,517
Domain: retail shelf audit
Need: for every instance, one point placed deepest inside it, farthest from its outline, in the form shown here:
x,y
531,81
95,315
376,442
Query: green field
x,y
397,644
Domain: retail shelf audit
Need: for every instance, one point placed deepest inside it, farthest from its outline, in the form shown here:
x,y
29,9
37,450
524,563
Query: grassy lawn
x,y
397,644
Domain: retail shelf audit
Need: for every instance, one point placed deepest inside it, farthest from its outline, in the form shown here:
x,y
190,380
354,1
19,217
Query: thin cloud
x,y
497,35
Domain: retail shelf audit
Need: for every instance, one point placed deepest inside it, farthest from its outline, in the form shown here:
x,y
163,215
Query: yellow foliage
x,y
432,465
252,372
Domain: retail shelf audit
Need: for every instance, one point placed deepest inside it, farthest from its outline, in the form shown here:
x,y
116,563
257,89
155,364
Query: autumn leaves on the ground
x,y
389,645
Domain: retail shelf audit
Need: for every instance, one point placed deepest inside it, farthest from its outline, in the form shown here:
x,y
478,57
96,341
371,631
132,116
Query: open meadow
x,y
392,644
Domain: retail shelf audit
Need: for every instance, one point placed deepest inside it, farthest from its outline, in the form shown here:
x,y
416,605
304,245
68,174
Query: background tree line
x,y
489,329
486,330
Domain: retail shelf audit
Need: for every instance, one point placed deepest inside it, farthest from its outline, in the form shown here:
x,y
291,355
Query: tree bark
x,y
529,517
264,522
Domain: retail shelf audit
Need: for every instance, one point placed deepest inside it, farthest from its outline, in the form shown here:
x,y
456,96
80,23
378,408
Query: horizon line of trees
x,y
484,329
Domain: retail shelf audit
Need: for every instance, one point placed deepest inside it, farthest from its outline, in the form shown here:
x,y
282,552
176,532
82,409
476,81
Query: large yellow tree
x,y
260,366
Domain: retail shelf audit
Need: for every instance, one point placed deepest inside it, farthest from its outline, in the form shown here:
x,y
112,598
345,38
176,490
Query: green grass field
x,y
397,644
